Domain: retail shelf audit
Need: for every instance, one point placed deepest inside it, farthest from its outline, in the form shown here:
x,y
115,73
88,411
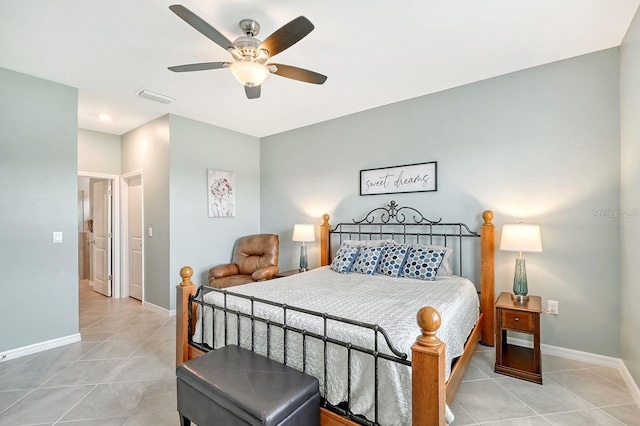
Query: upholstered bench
x,y
233,386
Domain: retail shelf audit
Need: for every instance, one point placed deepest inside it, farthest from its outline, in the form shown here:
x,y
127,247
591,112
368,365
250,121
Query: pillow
x,y
368,243
367,260
445,268
423,263
392,259
344,258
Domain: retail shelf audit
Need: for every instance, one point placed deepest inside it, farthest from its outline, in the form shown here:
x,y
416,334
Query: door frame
x,y
124,223
115,228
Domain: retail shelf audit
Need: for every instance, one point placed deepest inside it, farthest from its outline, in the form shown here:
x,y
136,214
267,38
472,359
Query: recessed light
x,y
104,117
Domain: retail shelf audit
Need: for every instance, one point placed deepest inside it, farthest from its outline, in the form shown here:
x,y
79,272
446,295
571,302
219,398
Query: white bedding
x,y
391,303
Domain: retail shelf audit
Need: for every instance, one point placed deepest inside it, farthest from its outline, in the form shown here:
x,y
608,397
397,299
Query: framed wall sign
x,y
221,193
422,177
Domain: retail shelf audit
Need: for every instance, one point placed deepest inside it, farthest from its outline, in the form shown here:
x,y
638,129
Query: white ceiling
x,y
374,52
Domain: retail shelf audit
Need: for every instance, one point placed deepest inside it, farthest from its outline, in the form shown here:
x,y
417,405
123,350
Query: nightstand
x,y
288,273
517,361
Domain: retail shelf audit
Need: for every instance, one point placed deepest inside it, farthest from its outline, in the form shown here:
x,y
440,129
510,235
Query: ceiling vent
x,y
154,96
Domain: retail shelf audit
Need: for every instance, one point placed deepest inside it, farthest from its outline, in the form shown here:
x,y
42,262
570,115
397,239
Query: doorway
x,y
95,227
132,236
101,236
98,236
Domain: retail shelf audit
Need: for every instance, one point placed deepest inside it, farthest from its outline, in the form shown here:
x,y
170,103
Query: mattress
x,y
392,303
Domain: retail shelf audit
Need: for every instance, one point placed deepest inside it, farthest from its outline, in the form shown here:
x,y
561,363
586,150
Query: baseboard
x,y
602,360
39,347
159,309
631,384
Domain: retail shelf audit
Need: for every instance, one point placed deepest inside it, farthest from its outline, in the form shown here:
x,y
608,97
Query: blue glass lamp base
x,y
304,263
520,288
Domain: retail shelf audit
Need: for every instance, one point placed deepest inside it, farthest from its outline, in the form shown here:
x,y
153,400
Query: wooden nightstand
x,y
287,273
516,361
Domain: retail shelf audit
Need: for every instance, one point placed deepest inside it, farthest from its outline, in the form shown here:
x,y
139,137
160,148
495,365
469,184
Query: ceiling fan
x,y
250,55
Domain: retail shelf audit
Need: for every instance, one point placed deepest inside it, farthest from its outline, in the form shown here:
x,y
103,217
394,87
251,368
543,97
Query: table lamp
x,y
303,233
520,238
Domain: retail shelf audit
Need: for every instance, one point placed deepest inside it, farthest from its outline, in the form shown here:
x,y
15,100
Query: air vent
x,y
154,96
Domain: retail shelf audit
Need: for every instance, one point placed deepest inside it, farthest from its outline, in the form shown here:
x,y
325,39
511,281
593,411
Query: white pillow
x,y
368,243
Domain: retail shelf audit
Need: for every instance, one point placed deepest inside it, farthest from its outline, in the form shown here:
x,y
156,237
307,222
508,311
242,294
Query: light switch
x,y
57,238
150,232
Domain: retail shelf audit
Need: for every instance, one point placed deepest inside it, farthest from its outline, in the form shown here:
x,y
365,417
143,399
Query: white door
x,y
101,241
135,238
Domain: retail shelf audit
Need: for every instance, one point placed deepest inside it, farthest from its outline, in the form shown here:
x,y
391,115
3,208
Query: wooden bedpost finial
x,y
186,273
325,219
487,215
429,321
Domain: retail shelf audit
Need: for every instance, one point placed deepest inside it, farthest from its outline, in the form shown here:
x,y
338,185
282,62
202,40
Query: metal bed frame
x,y
390,222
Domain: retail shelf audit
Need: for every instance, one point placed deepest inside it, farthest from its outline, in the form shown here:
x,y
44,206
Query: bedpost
x,y
427,371
325,248
487,283
183,291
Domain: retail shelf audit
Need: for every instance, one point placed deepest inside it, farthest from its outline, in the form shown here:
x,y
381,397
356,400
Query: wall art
x,y
221,193
422,177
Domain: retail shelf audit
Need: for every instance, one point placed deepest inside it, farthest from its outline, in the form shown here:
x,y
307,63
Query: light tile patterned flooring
x,y
122,373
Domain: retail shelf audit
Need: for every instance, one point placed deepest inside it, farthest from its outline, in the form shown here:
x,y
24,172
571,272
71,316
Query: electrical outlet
x,y
57,238
552,307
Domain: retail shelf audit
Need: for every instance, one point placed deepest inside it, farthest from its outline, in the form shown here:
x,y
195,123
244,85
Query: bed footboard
x,y
183,291
428,365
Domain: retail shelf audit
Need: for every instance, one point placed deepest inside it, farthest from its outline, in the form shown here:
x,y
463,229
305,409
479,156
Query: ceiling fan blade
x,y
198,67
252,92
288,35
202,26
299,74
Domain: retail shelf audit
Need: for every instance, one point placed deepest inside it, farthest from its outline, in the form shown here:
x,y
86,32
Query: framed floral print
x,y
221,193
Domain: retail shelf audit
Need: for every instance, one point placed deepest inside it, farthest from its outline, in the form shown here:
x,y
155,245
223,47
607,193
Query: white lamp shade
x,y
303,232
520,237
249,73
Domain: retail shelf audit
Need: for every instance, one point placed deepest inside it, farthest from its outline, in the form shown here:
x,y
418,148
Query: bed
x,y
357,332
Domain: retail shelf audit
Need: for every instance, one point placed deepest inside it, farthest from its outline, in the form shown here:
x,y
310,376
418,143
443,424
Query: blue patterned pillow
x,y
422,263
392,259
445,268
367,260
344,258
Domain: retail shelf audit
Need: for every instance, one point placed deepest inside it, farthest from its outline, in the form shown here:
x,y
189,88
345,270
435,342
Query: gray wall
x,y
147,148
539,146
98,152
38,184
174,153
197,240
630,197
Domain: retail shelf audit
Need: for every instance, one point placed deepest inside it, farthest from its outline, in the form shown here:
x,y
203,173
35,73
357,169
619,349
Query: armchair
x,y
255,259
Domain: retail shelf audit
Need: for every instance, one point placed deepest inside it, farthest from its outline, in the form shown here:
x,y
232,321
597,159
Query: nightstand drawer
x,y
517,320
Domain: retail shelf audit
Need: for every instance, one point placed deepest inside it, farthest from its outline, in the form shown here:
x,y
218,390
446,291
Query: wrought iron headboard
x,y
408,225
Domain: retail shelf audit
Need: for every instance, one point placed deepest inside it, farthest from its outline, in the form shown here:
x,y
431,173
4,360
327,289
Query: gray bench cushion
x,y
249,385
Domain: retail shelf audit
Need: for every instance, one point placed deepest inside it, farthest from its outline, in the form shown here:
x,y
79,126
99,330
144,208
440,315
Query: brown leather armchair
x,y
255,259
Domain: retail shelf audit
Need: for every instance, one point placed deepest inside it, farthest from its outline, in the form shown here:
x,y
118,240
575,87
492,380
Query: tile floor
x,y
122,373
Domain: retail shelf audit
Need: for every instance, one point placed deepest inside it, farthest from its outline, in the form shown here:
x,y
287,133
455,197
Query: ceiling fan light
x,y
249,73
262,55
